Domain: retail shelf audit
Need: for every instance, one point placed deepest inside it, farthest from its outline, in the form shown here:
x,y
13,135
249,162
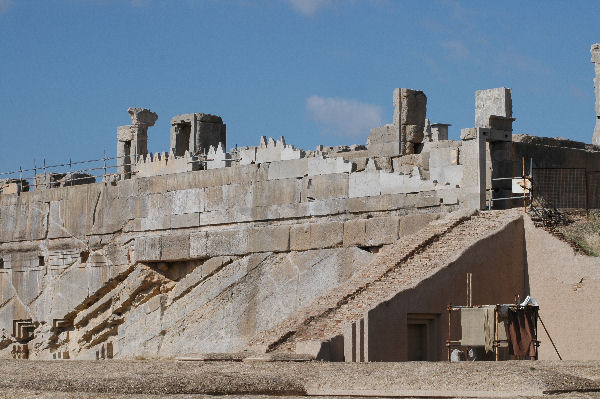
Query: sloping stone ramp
x,y
398,267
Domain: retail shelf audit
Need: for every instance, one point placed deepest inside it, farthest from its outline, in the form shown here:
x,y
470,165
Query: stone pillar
x,y
406,134
132,140
595,50
493,108
410,108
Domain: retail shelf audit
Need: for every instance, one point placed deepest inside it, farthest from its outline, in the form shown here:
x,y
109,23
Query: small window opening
x,y
84,255
41,261
1,263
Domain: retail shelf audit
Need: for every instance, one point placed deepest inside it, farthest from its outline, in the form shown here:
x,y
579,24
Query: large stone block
x,y
148,249
227,242
293,168
490,102
316,236
300,237
326,235
175,247
326,166
269,239
198,243
410,107
364,184
382,230
188,201
276,192
325,187
355,233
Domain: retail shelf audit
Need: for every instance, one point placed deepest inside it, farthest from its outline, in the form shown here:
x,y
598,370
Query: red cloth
x,y
521,331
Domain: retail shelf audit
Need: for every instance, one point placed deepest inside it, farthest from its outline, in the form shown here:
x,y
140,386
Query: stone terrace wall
x,y
62,245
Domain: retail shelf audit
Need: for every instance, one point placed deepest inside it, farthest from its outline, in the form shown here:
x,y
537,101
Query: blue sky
x,y
314,71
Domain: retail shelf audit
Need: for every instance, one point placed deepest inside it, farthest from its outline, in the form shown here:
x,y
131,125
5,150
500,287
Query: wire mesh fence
x,y
567,187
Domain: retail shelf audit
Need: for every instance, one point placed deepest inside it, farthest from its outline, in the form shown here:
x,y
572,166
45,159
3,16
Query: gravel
x,y
154,379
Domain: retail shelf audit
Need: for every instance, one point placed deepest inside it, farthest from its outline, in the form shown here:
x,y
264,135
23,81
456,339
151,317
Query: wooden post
x,y
497,346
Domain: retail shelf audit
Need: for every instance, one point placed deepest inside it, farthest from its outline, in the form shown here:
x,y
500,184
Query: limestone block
x,y
388,149
184,221
383,163
449,196
411,224
490,102
316,235
325,166
425,199
269,239
451,174
148,249
325,187
596,137
326,235
393,183
125,133
236,196
444,156
382,230
213,197
300,237
198,243
276,192
293,168
326,207
175,247
355,233
364,184
227,242
410,107
383,134
413,133
188,201
407,162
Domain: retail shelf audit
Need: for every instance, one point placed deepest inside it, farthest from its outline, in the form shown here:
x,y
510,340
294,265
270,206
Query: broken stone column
x,y
132,140
196,133
410,108
405,135
595,50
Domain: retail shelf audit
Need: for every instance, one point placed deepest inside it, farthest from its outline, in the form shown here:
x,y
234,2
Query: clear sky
x,y
314,71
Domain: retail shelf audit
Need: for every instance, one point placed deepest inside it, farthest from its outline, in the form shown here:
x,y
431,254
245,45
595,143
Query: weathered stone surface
x,y
490,102
381,230
269,239
227,242
355,232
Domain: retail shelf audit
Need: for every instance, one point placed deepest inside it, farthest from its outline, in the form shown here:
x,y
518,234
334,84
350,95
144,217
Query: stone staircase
x,y
397,268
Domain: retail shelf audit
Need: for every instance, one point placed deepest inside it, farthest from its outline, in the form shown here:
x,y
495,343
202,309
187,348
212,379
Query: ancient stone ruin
x,y
347,253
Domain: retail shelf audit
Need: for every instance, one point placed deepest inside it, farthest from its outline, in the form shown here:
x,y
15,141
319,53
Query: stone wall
x,y
62,248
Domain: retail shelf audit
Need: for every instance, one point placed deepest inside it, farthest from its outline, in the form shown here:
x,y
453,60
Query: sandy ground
x,y
156,379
